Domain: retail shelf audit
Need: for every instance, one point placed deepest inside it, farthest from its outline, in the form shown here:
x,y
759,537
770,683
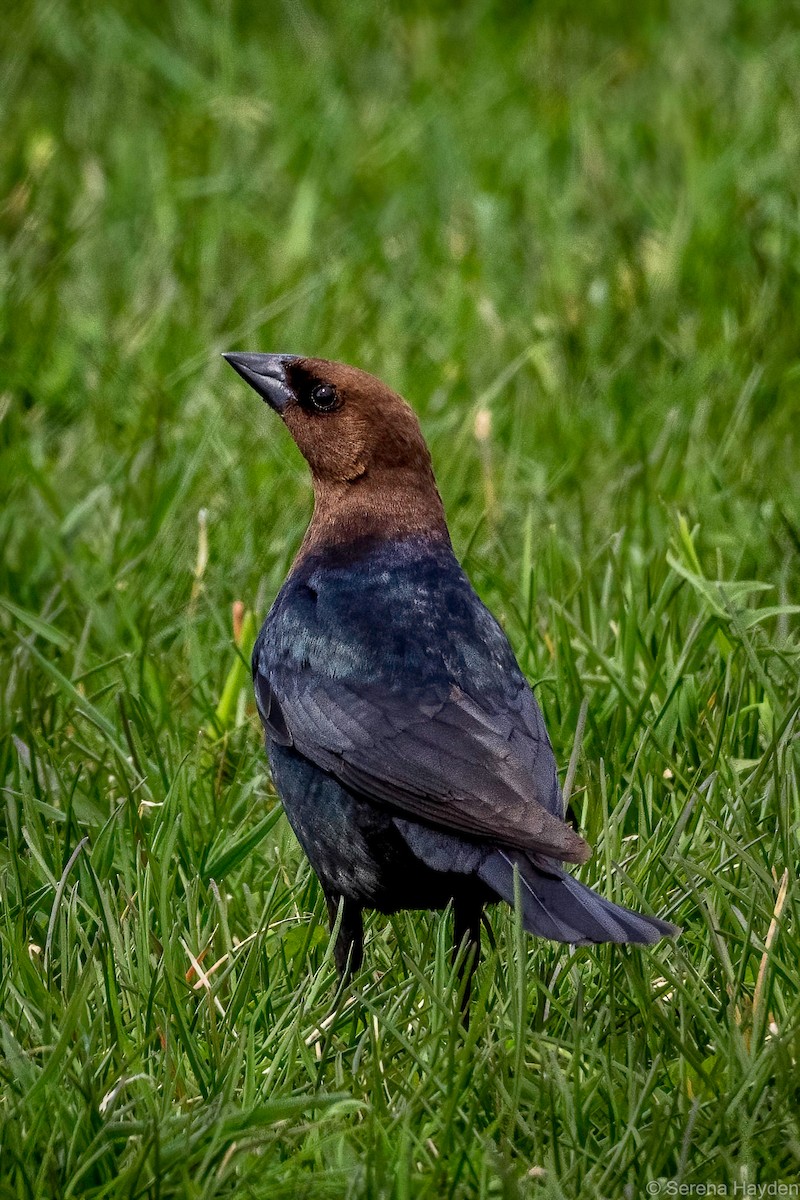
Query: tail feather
x,y
556,906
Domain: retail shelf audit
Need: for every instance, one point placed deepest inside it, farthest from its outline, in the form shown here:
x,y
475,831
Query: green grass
x,y
585,220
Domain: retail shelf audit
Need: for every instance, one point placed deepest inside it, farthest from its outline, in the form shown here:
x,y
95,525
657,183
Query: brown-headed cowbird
x,y
405,743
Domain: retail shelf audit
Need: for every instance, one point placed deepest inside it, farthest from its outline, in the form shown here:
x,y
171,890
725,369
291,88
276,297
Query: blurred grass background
x,y
581,221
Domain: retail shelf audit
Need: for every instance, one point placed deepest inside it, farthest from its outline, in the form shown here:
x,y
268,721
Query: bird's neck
x,y
388,505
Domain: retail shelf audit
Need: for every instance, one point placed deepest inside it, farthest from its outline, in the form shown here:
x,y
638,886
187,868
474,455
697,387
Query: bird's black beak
x,y
266,374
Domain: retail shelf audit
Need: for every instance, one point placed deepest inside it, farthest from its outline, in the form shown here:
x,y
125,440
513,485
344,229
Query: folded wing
x,y
433,753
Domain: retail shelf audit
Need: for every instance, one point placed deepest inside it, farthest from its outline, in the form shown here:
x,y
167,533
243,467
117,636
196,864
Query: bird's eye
x,y
323,397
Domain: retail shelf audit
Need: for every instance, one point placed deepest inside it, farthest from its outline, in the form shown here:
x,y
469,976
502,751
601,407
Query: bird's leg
x,y
348,953
467,928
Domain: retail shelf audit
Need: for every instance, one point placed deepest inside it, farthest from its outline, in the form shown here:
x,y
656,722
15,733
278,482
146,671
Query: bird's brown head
x,y
371,468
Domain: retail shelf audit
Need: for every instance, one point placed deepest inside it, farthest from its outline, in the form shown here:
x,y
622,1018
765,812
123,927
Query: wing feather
x,y
430,753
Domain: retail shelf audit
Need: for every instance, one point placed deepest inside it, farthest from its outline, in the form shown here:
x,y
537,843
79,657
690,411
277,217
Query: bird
x,y
404,741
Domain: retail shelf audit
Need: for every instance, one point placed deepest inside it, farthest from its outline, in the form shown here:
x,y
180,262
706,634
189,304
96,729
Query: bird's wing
x,y
432,753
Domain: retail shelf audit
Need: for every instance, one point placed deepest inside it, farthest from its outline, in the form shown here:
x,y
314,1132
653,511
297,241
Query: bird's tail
x,y
556,906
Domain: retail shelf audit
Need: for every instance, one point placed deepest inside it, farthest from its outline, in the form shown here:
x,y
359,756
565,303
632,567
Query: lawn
x,y
570,235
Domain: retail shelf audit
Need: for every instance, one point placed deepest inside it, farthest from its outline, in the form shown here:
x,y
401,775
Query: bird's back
x,y
397,619
388,613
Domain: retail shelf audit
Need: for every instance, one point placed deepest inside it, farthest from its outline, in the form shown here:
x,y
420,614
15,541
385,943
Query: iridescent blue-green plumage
x,y
399,625
383,681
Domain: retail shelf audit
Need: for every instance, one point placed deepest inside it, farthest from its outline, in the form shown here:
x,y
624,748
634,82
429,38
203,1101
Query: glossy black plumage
x,y
406,745
381,666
